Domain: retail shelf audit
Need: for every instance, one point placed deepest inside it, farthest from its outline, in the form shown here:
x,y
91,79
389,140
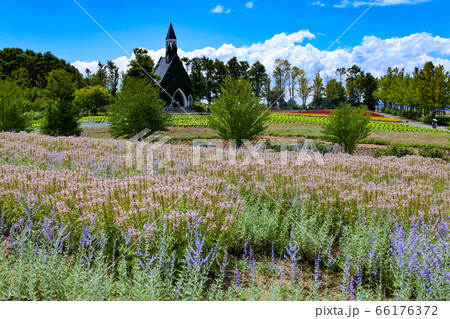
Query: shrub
x,y
61,116
347,126
237,112
442,120
136,108
12,107
92,100
394,150
433,152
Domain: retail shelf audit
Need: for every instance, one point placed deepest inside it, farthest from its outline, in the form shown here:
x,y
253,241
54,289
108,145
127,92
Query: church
x,y
174,79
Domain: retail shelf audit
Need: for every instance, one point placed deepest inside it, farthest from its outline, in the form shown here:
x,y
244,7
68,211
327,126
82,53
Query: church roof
x,y
162,67
171,33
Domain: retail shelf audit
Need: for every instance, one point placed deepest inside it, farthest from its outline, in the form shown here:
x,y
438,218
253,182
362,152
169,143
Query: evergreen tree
x,y
142,66
137,107
113,77
258,77
237,114
61,116
234,68
12,107
369,87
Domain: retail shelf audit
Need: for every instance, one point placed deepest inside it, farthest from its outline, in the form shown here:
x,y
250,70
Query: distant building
x,y
174,79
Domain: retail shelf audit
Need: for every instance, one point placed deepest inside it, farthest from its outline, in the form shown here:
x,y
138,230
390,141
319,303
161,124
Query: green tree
x,y
347,126
295,76
237,113
258,77
197,78
369,84
142,66
304,89
354,85
112,81
317,90
334,93
38,65
219,74
433,82
61,116
244,69
234,68
282,74
92,100
101,76
12,107
208,71
137,107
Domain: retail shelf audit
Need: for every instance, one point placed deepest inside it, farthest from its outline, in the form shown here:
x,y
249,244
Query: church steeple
x,y
171,44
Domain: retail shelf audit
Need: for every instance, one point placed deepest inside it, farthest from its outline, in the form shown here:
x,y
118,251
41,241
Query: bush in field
x,y
237,112
12,107
347,126
433,152
394,150
92,100
61,115
136,108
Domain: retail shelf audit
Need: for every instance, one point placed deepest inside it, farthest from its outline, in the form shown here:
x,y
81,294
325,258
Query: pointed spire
x,y
171,33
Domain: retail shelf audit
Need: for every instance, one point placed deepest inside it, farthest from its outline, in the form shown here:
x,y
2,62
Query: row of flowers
x,y
82,177
326,113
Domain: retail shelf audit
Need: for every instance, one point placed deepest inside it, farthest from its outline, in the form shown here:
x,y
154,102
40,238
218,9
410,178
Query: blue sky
x,y
61,27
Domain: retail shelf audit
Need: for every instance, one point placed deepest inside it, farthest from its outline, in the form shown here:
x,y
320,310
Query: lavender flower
x,y
292,256
237,279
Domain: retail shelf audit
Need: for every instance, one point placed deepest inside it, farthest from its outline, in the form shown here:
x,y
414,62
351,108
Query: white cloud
x,y
318,3
249,5
373,55
220,9
382,3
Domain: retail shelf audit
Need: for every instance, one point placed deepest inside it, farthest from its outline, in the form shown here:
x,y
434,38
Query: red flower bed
x,y
323,112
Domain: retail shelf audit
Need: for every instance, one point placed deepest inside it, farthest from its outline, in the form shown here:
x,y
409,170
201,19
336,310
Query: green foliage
x,y
347,126
261,226
12,107
433,152
92,100
61,116
31,69
95,119
237,113
394,150
442,120
424,92
136,108
334,93
317,90
142,66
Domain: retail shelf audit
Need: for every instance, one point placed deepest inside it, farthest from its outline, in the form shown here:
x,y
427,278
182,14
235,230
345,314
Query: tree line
x,y
424,92
41,87
285,85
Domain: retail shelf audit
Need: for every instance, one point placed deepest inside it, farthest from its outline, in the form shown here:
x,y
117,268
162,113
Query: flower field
x,y
326,113
353,216
379,123
280,118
